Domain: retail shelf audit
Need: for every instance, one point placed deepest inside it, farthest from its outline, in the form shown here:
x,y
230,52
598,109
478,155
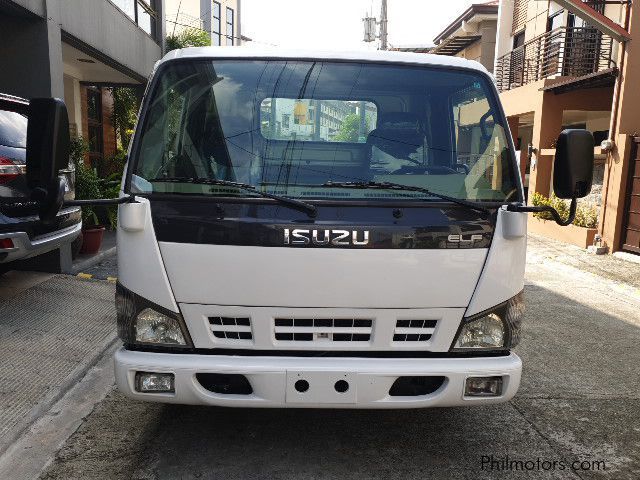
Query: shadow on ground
x,y
579,401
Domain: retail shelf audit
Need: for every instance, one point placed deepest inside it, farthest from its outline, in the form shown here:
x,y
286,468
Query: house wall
x,y
198,14
627,125
610,175
32,42
483,50
101,25
548,109
472,52
30,68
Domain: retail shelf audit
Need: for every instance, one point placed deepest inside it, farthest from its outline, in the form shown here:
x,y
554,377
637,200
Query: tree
x,y
125,109
189,37
350,129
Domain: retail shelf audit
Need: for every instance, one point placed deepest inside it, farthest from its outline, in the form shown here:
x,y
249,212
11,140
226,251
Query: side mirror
x,y
48,147
573,165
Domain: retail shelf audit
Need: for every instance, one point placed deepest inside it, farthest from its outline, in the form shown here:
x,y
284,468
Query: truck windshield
x,y
292,127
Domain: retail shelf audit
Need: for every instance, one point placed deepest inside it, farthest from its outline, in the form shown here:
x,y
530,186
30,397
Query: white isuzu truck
x,y
317,230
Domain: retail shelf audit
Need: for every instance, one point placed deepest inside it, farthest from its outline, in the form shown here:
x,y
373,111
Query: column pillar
x,y
547,124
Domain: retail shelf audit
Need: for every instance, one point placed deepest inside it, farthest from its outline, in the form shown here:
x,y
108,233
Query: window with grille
x,y
216,29
230,26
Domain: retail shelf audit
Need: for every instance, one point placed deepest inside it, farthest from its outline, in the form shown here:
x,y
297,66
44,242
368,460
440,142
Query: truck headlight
x,y
140,322
495,329
156,327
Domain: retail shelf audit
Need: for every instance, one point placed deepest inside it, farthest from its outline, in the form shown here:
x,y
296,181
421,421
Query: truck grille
x,y
414,330
231,328
323,329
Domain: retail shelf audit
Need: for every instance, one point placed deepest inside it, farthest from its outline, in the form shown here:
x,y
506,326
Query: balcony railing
x,y
570,52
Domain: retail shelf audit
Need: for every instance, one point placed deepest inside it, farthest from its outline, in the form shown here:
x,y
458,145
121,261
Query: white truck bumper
x,y
272,379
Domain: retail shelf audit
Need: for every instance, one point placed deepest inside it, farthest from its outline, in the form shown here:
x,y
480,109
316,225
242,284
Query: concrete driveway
x,y
579,401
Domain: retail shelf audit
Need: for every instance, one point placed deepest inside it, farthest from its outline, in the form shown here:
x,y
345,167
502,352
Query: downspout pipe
x,y
615,108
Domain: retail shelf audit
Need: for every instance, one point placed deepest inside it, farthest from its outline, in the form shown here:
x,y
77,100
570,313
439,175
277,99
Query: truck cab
x,y
327,230
363,293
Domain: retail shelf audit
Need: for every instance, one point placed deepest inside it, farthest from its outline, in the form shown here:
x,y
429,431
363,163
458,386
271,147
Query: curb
x,y
50,399
89,276
92,261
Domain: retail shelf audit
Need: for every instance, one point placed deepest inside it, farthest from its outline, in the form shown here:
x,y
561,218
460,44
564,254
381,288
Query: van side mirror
x,y
573,165
48,148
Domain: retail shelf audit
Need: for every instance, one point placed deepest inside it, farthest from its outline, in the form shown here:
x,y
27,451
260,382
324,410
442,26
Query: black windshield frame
x,y
492,98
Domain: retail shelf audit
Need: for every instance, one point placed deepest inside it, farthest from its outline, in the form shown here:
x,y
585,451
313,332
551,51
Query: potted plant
x,y
92,231
87,187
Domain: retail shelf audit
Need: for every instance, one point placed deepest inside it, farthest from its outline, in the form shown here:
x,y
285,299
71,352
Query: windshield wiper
x,y
309,209
408,188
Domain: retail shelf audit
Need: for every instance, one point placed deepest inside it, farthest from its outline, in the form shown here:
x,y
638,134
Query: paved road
x,y
579,400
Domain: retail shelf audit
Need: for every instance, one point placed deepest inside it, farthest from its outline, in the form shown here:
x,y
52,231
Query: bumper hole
x,y
415,386
301,386
228,384
341,386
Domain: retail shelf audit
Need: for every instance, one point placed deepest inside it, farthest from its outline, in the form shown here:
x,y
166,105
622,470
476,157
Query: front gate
x,y
631,219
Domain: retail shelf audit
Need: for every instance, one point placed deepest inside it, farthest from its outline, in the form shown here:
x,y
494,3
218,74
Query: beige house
x,y
573,64
221,19
472,35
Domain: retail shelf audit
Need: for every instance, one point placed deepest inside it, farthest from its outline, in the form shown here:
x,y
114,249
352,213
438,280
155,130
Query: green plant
x,y
89,185
78,148
110,187
586,215
125,109
189,37
350,129
540,200
87,182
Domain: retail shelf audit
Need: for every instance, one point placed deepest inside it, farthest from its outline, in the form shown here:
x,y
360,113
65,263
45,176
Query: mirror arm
x,y
100,201
554,213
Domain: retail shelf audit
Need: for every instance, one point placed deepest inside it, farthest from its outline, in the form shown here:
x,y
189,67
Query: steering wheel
x,y
462,166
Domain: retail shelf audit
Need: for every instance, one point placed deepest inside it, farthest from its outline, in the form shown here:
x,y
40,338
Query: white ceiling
x,y
96,72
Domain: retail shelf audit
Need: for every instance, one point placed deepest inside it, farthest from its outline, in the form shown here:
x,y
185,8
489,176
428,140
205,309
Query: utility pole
x,y
371,24
383,25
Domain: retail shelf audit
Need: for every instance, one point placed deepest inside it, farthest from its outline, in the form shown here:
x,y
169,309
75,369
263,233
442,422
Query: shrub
x,y
89,185
190,37
586,215
554,202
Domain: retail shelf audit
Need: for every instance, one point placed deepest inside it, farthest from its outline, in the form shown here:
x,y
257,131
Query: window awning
x,y
453,45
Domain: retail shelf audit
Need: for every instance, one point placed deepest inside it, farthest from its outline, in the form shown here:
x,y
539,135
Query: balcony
x,y
563,52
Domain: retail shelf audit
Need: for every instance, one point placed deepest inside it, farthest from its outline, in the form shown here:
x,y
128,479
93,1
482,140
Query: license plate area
x,y
321,387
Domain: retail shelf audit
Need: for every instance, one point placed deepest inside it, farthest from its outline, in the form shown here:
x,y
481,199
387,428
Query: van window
x,y
317,120
289,127
13,129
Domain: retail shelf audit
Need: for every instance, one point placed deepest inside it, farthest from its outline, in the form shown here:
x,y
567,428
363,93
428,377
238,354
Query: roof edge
x,y
476,8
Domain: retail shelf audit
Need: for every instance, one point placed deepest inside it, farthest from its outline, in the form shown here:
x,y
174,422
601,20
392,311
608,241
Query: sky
x,y
337,24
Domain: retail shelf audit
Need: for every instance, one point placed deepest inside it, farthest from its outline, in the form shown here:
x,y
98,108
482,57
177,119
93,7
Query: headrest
x,y
398,134
404,122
